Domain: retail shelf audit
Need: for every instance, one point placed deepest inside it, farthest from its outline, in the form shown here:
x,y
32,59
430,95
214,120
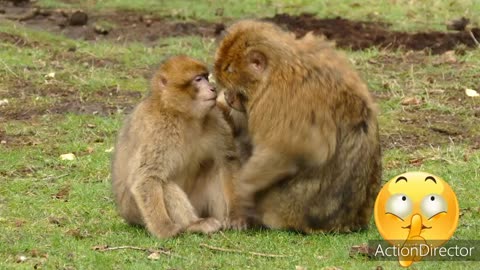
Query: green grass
x,y
61,232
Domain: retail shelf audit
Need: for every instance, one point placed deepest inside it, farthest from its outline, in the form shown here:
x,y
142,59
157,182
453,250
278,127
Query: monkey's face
x,y
204,95
184,86
235,100
241,66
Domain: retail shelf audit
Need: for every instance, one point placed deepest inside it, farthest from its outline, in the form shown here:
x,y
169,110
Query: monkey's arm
x,y
148,190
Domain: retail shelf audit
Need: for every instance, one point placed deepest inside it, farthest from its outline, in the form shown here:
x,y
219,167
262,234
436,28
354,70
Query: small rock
x,y
102,30
3,142
78,18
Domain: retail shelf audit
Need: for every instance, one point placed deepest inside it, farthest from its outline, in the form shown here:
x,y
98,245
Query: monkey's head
x,y
243,59
182,84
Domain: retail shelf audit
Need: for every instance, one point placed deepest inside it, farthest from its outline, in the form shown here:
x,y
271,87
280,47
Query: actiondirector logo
x,y
417,213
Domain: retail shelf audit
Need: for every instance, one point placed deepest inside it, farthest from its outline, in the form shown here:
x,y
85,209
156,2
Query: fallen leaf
x,y
362,249
90,150
4,102
100,247
447,57
410,101
77,233
91,125
331,268
19,223
416,161
436,91
56,220
154,256
21,259
471,93
3,142
50,75
62,193
69,156
109,150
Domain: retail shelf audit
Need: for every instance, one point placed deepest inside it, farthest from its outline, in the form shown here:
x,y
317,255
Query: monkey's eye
x,y
432,205
228,68
399,205
199,78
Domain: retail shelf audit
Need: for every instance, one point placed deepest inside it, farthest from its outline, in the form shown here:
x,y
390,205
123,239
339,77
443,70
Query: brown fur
x,y
316,161
175,156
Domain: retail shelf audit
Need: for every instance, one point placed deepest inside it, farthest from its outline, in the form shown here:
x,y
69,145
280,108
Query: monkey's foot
x,y
238,223
163,231
205,225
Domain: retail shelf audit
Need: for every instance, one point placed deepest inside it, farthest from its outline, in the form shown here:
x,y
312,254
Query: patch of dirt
x,y
128,26
67,100
359,35
16,40
416,129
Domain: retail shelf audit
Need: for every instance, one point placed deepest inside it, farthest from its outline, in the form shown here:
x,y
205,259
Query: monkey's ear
x,y
257,61
161,81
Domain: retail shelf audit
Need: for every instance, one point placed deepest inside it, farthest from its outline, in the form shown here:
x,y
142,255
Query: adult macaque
x,y
175,155
316,160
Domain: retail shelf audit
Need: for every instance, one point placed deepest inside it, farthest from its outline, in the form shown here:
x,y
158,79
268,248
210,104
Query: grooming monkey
x,y
175,155
316,160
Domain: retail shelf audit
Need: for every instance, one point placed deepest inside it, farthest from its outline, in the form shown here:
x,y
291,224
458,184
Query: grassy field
x,y
62,95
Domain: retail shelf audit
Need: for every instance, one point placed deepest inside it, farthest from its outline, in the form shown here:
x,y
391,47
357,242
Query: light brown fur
x,y
316,161
175,156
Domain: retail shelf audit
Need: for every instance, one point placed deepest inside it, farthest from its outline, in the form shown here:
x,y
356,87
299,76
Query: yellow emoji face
x,y
416,206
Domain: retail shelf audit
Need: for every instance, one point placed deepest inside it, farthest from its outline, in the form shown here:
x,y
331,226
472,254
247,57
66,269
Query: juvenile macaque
x,y
175,155
316,160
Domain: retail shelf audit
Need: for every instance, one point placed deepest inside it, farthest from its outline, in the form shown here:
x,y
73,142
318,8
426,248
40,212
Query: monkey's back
x,y
337,196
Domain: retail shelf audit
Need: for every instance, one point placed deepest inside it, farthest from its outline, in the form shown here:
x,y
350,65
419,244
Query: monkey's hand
x,y
205,225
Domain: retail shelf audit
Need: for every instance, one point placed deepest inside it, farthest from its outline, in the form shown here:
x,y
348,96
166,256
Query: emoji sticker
x,y
416,209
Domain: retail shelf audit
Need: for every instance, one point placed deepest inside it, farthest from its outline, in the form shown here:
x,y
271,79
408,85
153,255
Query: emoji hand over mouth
x,y
414,242
415,212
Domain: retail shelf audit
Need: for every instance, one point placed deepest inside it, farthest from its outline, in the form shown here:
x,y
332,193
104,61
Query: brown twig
x,y
107,248
243,252
473,37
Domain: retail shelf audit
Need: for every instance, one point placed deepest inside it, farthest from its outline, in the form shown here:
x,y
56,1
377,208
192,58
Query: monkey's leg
x,y
183,213
261,171
149,196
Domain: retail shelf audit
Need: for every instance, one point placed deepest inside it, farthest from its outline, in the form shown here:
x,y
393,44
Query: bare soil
x,y
128,26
